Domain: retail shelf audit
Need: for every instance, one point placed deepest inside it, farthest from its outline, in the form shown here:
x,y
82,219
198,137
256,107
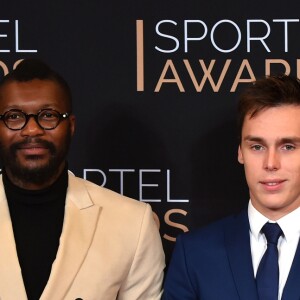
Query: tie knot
x,y
272,232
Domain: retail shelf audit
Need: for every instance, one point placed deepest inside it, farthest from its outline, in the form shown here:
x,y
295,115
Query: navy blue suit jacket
x,y
214,263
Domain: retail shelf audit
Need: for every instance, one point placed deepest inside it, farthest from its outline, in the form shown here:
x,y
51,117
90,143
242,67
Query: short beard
x,y
36,175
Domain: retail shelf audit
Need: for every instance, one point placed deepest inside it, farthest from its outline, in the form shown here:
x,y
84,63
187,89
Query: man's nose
x,y
32,127
272,160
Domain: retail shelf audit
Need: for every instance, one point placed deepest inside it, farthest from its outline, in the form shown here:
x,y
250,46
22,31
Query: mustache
x,y
33,140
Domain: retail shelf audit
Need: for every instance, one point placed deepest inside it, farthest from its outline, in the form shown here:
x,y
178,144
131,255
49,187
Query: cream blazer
x,y
110,248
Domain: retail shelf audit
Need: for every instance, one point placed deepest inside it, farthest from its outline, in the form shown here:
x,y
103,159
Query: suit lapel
x,y
291,290
80,222
11,281
237,241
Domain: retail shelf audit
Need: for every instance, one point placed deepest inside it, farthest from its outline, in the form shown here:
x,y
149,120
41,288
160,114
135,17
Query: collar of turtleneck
x,y
35,197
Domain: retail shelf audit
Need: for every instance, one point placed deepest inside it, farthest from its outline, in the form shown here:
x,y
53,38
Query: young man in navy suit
x,y
235,258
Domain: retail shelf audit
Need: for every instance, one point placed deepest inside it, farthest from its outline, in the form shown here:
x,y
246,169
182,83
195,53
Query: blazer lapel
x,y
291,290
11,281
237,241
81,217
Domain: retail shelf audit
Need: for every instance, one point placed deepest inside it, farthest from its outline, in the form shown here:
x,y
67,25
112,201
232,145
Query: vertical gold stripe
x,y
140,55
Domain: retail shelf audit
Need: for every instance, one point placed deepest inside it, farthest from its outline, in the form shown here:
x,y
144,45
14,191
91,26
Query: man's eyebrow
x,y
289,139
292,139
253,138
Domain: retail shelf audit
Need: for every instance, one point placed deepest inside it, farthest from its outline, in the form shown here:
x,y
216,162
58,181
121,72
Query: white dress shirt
x,y
287,244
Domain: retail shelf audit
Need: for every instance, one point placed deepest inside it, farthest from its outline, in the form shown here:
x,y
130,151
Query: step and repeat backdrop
x,y
155,86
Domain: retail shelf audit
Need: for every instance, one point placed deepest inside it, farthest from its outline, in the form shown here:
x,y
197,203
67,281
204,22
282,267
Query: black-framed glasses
x,y
16,119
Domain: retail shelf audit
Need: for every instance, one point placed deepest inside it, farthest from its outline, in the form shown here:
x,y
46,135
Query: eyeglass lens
x,y
47,119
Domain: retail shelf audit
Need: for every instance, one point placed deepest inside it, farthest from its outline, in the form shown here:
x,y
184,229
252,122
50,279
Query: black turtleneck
x,y
37,219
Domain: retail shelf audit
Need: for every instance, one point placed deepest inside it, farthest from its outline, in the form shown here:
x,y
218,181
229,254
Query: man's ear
x,y
72,124
240,155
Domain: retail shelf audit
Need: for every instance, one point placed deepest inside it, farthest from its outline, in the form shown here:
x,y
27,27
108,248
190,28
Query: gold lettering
x,y
140,55
237,80
156,219
207,74
162,79
4,68
298,68
174,224
16,63
276,61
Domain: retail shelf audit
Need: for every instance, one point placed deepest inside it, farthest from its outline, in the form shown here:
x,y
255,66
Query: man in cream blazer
x,y
109,245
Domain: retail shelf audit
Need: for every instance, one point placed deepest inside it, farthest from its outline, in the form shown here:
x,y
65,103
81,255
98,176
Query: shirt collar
x,y
289,224
256,220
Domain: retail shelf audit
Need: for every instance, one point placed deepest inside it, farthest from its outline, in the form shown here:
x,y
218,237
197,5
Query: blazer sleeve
x,y
144,279
178,284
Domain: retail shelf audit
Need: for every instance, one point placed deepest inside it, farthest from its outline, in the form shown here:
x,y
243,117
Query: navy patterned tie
x,y
267,277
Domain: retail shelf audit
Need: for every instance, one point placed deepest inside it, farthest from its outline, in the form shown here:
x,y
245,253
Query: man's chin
x,y
33,161
34,174
34,169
